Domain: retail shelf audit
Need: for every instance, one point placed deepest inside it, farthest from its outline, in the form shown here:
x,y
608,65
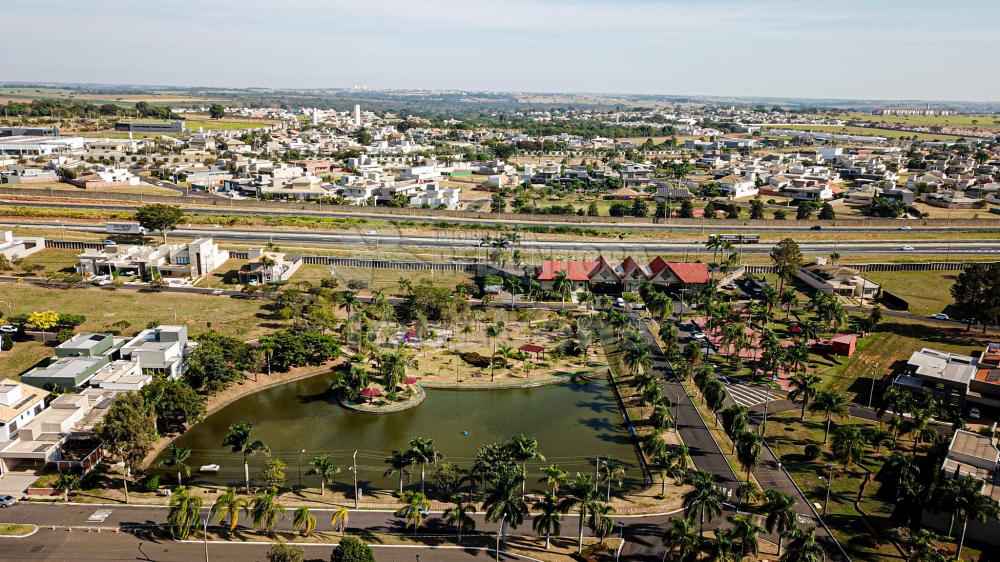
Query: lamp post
x,y
300,467
871,392
205,534
829,484
354,469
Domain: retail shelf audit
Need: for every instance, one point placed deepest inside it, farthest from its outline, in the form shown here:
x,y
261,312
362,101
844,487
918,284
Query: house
x,y
737,187
20,175
66,373
636,175
603,277
191,260
268,267
20,247
437,198
947,375
159,350
105,177
972,455
838,280
952,200
120,375
19,404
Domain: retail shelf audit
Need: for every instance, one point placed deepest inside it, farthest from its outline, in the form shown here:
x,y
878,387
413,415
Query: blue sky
x,y
886,49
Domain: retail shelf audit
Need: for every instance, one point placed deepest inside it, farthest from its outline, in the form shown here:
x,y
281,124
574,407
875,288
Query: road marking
x,y
99,516
746,394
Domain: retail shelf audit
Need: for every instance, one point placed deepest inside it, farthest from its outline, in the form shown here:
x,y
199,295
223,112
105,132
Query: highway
x,y
706,226
470,240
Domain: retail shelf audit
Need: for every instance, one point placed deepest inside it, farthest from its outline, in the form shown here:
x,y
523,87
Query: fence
x,y
913,266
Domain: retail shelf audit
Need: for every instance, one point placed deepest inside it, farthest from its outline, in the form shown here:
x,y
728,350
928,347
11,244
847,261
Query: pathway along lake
x,y
573,422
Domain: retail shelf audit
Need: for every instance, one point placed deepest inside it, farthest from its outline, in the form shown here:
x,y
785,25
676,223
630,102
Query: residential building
x,y
838,280
159,350
191,260
19,404
946,375
20,247
150,126
737,187
603,277
437,198
268,267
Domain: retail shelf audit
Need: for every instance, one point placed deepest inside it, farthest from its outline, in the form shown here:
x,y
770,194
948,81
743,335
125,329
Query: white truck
x,y
125,228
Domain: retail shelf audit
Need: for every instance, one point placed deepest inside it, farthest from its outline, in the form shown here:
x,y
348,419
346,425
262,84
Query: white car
x,y
906,248
698,335
906,227
371,232
940,316
974,413
8,329
620,302
217,292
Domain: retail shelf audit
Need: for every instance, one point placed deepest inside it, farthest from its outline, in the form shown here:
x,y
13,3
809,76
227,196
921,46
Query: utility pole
x,y
829,484
354,469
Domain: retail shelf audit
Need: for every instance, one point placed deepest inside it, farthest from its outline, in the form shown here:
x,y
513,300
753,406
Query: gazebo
x,y
534,349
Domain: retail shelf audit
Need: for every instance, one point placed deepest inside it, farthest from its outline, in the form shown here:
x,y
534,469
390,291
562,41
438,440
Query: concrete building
x,y
150,126
14,248
191,260
946,375
19,404
159,350
268,267
838,280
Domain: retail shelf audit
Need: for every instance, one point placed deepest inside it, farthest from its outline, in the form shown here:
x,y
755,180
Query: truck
x,y
125,228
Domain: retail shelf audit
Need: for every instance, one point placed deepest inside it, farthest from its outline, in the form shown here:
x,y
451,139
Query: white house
x,y
159,350
19,404
737,187
437,197
19,247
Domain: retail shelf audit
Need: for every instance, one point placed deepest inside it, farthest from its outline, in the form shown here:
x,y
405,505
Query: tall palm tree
x,y
349,301
554,476
240,440
416,505
323,467
562,286
672,463
583,497
176,459
548,522
399,463
803,388
513,286
681,540
831,403
736,420
781,516
614,471
458,517
525,449
305,520
745,532
804,548
971,504
504,502
228,506
340,518
848,445
721,547
600,521
703,501
423,451
749,448
183,516
265,511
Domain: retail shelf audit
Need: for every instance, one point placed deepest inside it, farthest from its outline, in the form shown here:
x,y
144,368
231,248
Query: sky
x,y
858,49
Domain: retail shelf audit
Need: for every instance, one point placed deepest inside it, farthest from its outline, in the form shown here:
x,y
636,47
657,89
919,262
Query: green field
x,y
384,279
851,130
970,121
926,291
222,124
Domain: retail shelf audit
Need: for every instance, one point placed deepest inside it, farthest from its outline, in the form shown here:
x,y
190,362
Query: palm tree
x,y
405,285
423,451
736,420
176,458
749,447
65,484
340,517
413,512
459,518
721,547
600,521
513,286
349,301
562,286
323,467
399,462
744,534
525,449
614,471
554,476
240,440
265,510
504,502
848,445
582,496
877,437
681,540
971,504
781,516
549,519
304,519
804,548
228,506
803,388
183,516
672,463
831,403
704,500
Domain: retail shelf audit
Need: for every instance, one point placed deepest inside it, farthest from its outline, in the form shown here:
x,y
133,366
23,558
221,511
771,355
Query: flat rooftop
x,y
942,365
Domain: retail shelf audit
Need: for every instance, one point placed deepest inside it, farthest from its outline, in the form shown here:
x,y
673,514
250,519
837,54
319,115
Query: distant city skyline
x,y
912,50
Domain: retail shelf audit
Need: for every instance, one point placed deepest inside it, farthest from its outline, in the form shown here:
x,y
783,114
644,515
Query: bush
x,y
64,335
352,549
475,359
357,284
149,483
812,451
284,552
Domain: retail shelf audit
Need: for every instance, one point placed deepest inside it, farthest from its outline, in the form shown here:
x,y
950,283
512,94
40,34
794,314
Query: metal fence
x,y
914,266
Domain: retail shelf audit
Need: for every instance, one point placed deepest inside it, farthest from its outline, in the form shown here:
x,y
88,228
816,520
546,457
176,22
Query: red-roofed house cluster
x,y
603,277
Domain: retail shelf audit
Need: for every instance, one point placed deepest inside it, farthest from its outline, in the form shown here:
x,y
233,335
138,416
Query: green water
x,y
573,422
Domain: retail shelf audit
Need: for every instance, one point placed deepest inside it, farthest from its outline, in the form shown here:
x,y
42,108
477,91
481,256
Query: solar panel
x,y
993,375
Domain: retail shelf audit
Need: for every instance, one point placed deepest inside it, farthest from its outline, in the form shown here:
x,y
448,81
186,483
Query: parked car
x,y
8,329
940,316
906,227
620,302
974,413
816,227
7,501
906,248
698,335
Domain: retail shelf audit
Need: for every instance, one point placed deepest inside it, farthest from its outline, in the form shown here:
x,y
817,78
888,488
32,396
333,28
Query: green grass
x,y
966,121
53,260
927,292
14,529
385,279
866,131
222,124
22,357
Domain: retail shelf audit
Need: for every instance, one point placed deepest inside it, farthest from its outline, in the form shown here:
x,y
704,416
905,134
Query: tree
x,y
504,503
423,451
525,449
415,506
272,474
305,520
228,506
65,484
216,111
804,548
284,552
600,521
687,210
744,535
971,504
781,517
159,216
756,208
176,459
554,476
562,286
827,213
458,517
340,518
177,405
399,462
803,388
240,440
129,431
614,471
681,540
703,501
830,403
787,259
749,448
265,510
183,516
351,549
323,467
44,320
548,522
848,445
977,295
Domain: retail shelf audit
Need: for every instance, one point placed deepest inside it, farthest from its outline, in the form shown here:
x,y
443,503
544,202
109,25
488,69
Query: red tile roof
x,y
657,265
690,273
531,348
629,264
575,270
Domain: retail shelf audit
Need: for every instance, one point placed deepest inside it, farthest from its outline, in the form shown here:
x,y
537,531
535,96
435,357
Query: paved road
x,y
530,241
484,219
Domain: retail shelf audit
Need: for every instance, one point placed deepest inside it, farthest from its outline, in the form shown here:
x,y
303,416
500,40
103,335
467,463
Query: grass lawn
x,y
142,188
865,131
244,318
222,124
926,291
226,276
24,356
14,529
386,279
53,259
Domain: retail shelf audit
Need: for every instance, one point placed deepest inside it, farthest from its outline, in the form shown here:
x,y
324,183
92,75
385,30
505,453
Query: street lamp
x,y
872,391
300,467
829,484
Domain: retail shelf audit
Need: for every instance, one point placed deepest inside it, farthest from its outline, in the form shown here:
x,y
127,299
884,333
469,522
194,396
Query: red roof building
x,y
600,275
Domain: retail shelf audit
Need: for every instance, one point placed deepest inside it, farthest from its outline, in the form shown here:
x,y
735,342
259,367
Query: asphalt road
x,y
708,225
470,240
